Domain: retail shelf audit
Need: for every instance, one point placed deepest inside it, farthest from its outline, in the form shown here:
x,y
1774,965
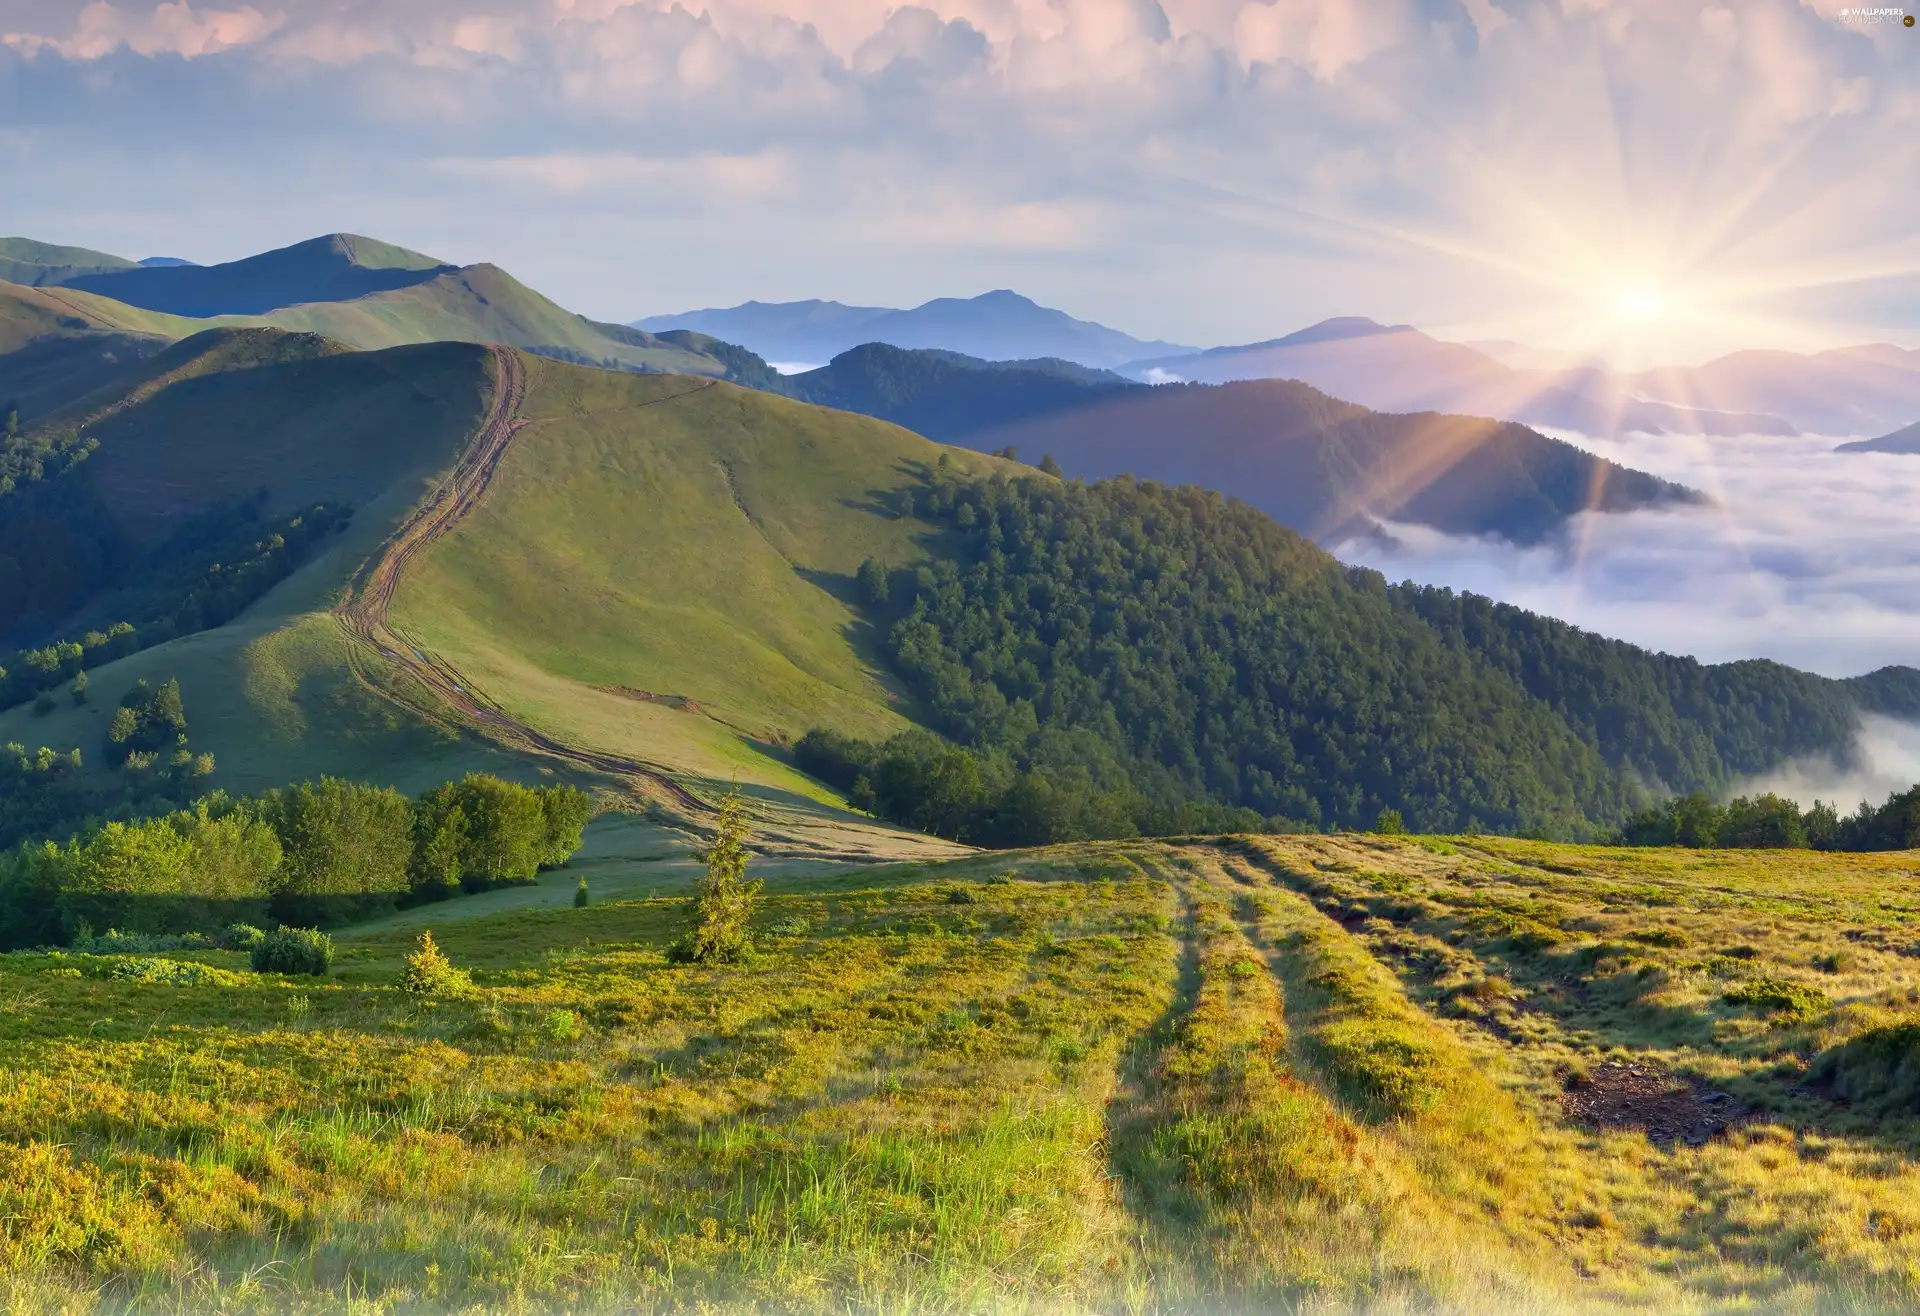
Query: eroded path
x,y
366,612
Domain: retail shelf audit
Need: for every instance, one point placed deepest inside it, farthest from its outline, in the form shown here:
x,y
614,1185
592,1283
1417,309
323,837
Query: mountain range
x,y
998,326
365,293
1852,390
1399,368
1326,468
370,539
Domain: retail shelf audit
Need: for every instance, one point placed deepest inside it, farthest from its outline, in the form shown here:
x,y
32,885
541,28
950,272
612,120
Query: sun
x,y
1642,304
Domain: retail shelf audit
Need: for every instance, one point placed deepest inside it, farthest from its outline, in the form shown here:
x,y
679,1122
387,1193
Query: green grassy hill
x,y
28,315
337,267
1316,1074
361,292
660,571
22,260
51,372
485,304
671,561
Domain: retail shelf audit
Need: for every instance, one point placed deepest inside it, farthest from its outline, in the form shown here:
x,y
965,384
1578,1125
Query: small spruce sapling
x,y
580,896
430,973
723,898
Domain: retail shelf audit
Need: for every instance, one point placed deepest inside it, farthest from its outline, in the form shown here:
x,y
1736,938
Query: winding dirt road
x,y
365,612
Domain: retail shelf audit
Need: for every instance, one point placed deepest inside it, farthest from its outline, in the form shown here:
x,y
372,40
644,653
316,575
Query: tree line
x,y
313,855
1767,822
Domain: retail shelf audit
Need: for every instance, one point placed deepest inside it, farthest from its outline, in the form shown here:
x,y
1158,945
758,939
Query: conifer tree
x,y
723,898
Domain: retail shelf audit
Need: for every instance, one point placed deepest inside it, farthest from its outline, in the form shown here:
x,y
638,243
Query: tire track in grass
x,y
365,612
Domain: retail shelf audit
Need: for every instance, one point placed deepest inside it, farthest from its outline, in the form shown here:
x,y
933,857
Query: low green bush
x,y
294,951
1878,1071
1778,996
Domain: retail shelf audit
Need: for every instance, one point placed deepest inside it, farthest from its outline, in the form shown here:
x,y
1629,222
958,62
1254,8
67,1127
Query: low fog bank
x,y
1808,557
1886,760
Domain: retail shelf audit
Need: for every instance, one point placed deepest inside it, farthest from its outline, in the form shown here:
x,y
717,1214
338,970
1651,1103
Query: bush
x,y
294,951
1878,1070
1777,996
1389,823
580,896
431,973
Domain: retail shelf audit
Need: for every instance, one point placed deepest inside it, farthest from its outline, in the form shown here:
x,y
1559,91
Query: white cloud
x,y
167,29
1886,759
1810,557
1209,170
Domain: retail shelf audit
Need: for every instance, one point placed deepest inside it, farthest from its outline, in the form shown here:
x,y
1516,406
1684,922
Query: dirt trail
x,y
365,611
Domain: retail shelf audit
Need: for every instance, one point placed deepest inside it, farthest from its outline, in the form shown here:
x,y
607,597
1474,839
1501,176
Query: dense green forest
x,y
1130,636
1675,723
1141,650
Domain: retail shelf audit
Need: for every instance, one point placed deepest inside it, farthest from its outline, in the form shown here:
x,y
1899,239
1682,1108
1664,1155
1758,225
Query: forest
x,y
1140,654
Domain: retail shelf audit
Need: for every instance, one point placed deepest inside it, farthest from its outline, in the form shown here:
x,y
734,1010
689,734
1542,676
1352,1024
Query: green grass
x,y
1091,1078
665,566
609,561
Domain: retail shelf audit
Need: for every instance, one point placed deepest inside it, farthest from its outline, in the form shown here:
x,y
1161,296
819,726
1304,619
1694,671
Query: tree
x,y
872,580
1389,823
723,899
79,688
581,897
1049,466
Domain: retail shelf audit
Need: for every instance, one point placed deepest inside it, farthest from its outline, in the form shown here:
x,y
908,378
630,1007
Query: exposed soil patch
x,y
1616,1095
680,702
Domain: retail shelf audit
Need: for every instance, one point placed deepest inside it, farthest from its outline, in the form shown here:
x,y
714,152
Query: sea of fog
x,y
1807,556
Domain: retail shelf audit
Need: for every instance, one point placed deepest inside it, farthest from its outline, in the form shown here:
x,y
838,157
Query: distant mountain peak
x,y
999,325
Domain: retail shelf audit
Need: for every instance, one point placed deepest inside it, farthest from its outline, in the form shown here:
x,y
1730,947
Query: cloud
x,y
1207,170
1810,557
167,29
1886,760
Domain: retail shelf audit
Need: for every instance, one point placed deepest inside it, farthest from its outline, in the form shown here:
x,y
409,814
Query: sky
x,y
1659,180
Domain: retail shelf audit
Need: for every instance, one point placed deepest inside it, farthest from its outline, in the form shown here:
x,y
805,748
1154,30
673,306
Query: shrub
x,y
1778,996
1878,1070
561,1025
294,951
169,973
723,900
580,896
431,973
243,936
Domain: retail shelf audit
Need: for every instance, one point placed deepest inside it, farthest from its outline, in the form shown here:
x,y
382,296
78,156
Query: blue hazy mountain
x,y
995,326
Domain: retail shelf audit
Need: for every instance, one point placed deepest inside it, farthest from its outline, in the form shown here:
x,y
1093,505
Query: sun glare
x,y
1641,304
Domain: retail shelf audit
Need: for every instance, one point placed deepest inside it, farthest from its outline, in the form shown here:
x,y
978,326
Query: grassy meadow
x,y
1251,1074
